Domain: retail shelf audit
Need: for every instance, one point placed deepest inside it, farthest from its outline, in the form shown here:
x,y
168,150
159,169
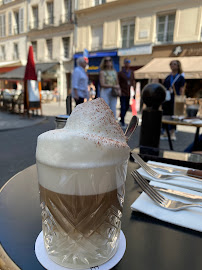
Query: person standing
x,y
80,82
108,80
126,80
173,83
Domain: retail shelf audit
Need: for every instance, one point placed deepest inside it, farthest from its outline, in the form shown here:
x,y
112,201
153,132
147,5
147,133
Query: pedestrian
x,y
126,80
80,82
173,83
108,80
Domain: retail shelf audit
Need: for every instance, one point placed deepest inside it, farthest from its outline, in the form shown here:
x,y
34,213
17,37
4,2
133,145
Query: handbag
x,y
116,91
179,103
170,90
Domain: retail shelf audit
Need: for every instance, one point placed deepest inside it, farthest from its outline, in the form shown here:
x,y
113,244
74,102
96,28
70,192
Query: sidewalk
x,y
8,121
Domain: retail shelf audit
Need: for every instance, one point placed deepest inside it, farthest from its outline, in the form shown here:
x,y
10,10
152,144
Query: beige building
x,y
51,35
13,29
46,25
140,29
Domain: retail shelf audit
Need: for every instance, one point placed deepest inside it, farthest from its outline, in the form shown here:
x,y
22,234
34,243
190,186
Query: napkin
x,y
186,182
188,218
193,121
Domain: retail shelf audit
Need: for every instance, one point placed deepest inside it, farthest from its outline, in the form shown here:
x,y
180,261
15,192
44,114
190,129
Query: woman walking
x,y
108,81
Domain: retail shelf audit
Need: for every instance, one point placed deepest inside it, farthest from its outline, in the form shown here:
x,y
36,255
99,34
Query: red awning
x,y
7,69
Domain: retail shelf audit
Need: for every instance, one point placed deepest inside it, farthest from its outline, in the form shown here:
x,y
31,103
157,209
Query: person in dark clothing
x,y
126,80
173,83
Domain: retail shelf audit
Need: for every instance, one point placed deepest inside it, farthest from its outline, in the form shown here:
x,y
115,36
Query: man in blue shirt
x,y
80,82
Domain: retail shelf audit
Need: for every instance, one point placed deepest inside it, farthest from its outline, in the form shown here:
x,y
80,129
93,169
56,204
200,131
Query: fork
x,y
157,175
158,198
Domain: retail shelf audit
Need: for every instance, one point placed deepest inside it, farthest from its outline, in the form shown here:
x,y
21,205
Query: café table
x,y
151,243
169,120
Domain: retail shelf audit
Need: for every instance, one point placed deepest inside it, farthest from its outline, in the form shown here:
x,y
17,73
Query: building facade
x,y
13,30
49,27
140,30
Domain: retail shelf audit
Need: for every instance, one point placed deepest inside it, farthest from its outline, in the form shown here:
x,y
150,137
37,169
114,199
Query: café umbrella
x,y
32,100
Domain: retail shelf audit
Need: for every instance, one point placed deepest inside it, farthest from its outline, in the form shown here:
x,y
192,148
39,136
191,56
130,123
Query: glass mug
x,y
81,212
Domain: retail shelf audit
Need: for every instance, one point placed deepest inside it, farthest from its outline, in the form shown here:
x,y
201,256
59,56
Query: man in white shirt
x,y
80,82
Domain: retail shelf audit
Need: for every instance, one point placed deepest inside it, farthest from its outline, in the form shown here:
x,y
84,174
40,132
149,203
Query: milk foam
x,y
91,139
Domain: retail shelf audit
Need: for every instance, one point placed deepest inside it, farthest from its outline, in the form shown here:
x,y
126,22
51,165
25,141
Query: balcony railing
x,y
15,56
49,21
82,4
66,18
16,30
34,25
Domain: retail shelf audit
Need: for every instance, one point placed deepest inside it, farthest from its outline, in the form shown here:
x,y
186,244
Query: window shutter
x,y
10,23
21,20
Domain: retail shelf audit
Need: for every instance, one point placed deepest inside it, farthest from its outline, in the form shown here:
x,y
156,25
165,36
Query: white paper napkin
x,y
186,182
189,218
193,121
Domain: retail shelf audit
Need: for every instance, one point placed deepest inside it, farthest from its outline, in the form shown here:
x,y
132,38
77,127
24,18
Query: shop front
x,y
190,56
95,59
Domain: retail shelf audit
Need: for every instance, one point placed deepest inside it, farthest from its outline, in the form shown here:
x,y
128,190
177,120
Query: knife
x,y
189,172
179,193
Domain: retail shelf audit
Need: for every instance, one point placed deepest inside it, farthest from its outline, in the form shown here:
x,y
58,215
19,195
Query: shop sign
x,y
136,50
177,50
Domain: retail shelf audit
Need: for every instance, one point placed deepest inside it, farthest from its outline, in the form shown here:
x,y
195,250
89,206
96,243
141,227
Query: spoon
x,y
131,127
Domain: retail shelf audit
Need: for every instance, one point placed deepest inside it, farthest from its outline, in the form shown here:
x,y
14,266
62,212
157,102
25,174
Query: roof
x,y
19,73
158,68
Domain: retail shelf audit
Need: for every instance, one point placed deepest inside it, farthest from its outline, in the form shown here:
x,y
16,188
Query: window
x,y
50,12
165,28
7,1
15,51
49,48
99,2
66,47
10,23
127,33
97,37
2,53
67,6
34,46
16,23
2,25
35,17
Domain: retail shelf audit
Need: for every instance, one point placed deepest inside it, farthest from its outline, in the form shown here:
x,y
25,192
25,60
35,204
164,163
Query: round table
x,y
151,244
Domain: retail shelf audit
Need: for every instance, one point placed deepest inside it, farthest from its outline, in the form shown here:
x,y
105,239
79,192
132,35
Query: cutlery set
x,y
168,173
152,191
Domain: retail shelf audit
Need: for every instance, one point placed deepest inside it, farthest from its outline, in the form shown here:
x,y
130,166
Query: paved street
x,y
18,145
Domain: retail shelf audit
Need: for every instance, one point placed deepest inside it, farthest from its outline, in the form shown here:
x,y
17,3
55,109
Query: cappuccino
x,y
82,170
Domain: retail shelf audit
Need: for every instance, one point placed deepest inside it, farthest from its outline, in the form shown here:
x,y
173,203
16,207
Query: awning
x,y
18,73
158,68
10,63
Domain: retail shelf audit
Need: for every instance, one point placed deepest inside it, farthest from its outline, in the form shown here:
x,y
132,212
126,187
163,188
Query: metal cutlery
x,y
158,198
188,172
184,195
157,175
